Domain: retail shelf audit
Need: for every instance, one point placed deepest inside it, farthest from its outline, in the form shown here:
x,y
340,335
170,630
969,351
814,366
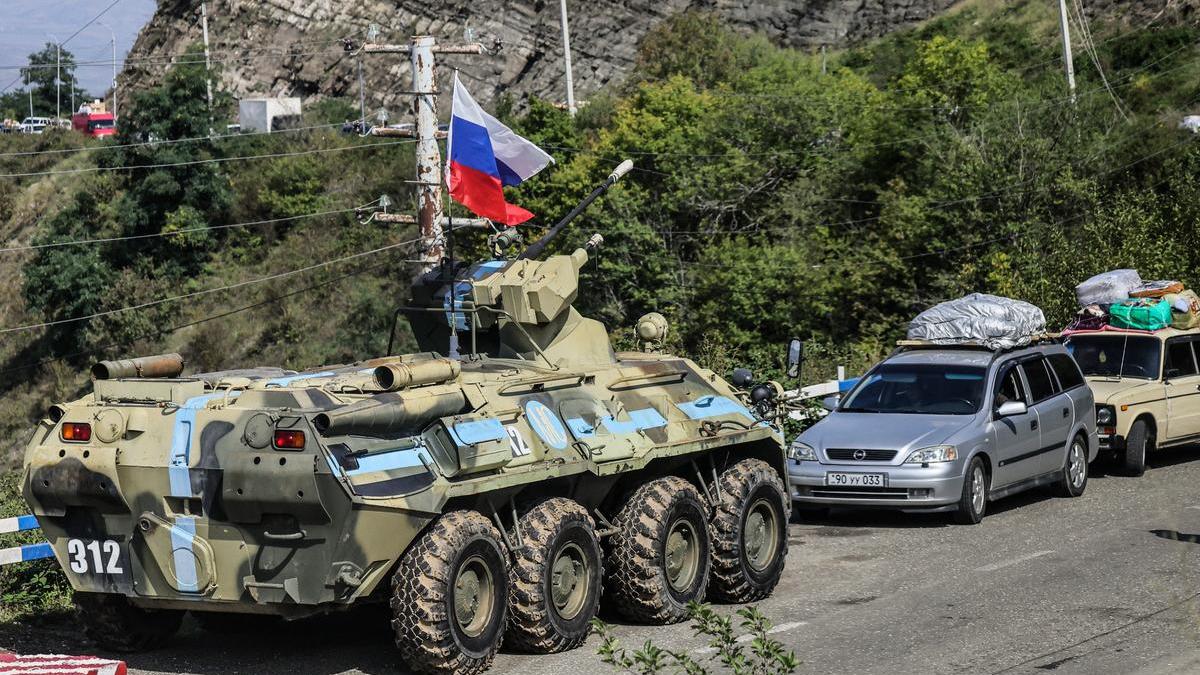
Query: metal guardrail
x,y
27,552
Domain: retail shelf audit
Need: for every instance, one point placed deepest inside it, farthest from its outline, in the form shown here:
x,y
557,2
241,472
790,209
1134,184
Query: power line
x,y
212,317
206,228
215,160
207,291
93,20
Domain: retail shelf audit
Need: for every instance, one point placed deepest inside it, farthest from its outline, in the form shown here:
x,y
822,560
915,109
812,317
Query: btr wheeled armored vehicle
x,y
489,488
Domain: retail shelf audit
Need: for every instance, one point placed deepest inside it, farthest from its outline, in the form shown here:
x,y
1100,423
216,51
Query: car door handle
x,y
1033,425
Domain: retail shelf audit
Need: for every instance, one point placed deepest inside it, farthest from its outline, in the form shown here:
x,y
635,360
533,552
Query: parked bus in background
x,y
94,120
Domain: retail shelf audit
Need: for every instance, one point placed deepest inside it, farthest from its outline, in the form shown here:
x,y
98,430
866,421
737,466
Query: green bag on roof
x,y
1143,314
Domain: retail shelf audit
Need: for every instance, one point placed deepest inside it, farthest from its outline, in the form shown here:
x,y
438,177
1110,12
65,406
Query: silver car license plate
x,y
856,479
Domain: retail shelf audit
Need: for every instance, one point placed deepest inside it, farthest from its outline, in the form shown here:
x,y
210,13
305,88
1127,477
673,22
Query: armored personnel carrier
x,y
494,490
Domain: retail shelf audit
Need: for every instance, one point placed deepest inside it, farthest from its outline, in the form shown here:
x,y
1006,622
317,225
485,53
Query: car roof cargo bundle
x,y
980,319
1140,314
1108,288
1121,300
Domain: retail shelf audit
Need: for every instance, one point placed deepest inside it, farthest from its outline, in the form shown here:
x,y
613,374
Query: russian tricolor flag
x,y
485,156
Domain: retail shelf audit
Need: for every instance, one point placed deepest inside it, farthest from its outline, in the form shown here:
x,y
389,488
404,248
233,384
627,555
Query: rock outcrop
x,y
290,47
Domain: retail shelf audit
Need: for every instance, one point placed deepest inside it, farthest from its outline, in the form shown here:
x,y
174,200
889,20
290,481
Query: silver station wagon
x,y
938,428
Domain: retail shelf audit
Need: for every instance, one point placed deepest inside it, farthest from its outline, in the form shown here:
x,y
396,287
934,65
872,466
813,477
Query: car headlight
x,y
1106,416
933,455
802,452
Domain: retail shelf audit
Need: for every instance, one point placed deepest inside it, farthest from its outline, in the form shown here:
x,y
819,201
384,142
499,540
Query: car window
x,y
1180,362
1041,385
1010,388
923,389
1066,369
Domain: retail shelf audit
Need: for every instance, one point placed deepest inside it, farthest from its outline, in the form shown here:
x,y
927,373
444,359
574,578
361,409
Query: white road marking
x,y
1007,563
746,638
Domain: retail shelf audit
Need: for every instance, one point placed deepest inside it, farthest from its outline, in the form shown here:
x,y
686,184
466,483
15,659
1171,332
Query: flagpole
x,y
449,230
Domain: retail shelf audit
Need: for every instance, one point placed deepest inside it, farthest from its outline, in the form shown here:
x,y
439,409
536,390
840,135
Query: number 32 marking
x,y
105,556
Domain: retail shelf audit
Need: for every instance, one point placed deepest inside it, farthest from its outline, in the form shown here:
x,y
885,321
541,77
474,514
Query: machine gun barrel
x,y
535,250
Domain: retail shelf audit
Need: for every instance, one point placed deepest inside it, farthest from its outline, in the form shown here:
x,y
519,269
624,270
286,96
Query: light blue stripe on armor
x,y
479,431
183,537
460,289
713,406
179,462
647,418
285,381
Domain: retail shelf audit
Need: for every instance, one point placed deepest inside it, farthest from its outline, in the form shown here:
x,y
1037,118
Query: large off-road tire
x,y
116,625
749,531
1074,477
972,504
659,559
555,580
449,596
1138,444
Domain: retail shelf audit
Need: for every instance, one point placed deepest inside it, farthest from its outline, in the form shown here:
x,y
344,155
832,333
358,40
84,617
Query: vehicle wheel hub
x,y
761,535
570,581
473,596
683,556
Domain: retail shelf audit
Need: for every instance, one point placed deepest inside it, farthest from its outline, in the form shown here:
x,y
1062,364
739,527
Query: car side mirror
x,y
831,403
795,357
1012,409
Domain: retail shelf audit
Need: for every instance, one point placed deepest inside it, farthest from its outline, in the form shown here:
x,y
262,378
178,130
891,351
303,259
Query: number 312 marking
x,y
105,556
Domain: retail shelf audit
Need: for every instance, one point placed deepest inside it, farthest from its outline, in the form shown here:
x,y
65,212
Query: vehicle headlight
x,y
1106,416
802,452
933,455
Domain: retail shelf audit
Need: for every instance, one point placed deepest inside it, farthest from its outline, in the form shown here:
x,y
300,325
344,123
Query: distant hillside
x,y
288,46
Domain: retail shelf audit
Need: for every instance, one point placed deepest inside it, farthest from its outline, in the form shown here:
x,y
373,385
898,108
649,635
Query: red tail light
x,y
79,432
289,440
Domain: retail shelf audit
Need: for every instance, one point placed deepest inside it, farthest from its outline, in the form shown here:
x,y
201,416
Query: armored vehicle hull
x,y
490,495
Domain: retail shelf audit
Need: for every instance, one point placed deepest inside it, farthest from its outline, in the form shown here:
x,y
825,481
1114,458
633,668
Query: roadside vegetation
x,y
770,200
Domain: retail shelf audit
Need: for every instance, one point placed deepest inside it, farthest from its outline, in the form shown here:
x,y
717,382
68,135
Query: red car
x,y
94,124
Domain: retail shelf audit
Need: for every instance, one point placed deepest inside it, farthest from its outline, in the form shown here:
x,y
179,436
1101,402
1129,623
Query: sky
x,y
26,25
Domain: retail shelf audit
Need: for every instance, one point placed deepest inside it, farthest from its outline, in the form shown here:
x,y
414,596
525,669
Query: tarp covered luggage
x,y
989,320
1107,288
1141,314
1186,309
1156,289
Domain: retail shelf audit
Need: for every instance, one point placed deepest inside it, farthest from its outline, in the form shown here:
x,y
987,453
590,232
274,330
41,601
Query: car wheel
x,y
973,502
1074,477
1139,442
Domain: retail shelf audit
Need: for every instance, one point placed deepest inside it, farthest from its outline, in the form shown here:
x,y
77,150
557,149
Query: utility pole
x,y
30,100
207,64
566,31
429,159
57,82
113,36
1067,60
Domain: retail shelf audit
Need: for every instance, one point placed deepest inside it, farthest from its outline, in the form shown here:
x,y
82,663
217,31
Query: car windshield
x,y
1117,355
925,389
101,124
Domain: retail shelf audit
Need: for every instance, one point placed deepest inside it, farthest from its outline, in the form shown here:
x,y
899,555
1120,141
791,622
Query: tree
x,y
41,74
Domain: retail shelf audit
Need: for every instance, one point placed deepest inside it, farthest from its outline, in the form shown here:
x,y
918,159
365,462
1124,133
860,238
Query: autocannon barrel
x,y
395,376
389,413
162,365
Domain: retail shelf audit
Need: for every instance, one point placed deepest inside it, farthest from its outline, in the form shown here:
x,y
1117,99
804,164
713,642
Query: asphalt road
x,y
1043,584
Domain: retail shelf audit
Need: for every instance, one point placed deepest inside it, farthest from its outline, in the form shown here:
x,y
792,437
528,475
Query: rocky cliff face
x,y
289,47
